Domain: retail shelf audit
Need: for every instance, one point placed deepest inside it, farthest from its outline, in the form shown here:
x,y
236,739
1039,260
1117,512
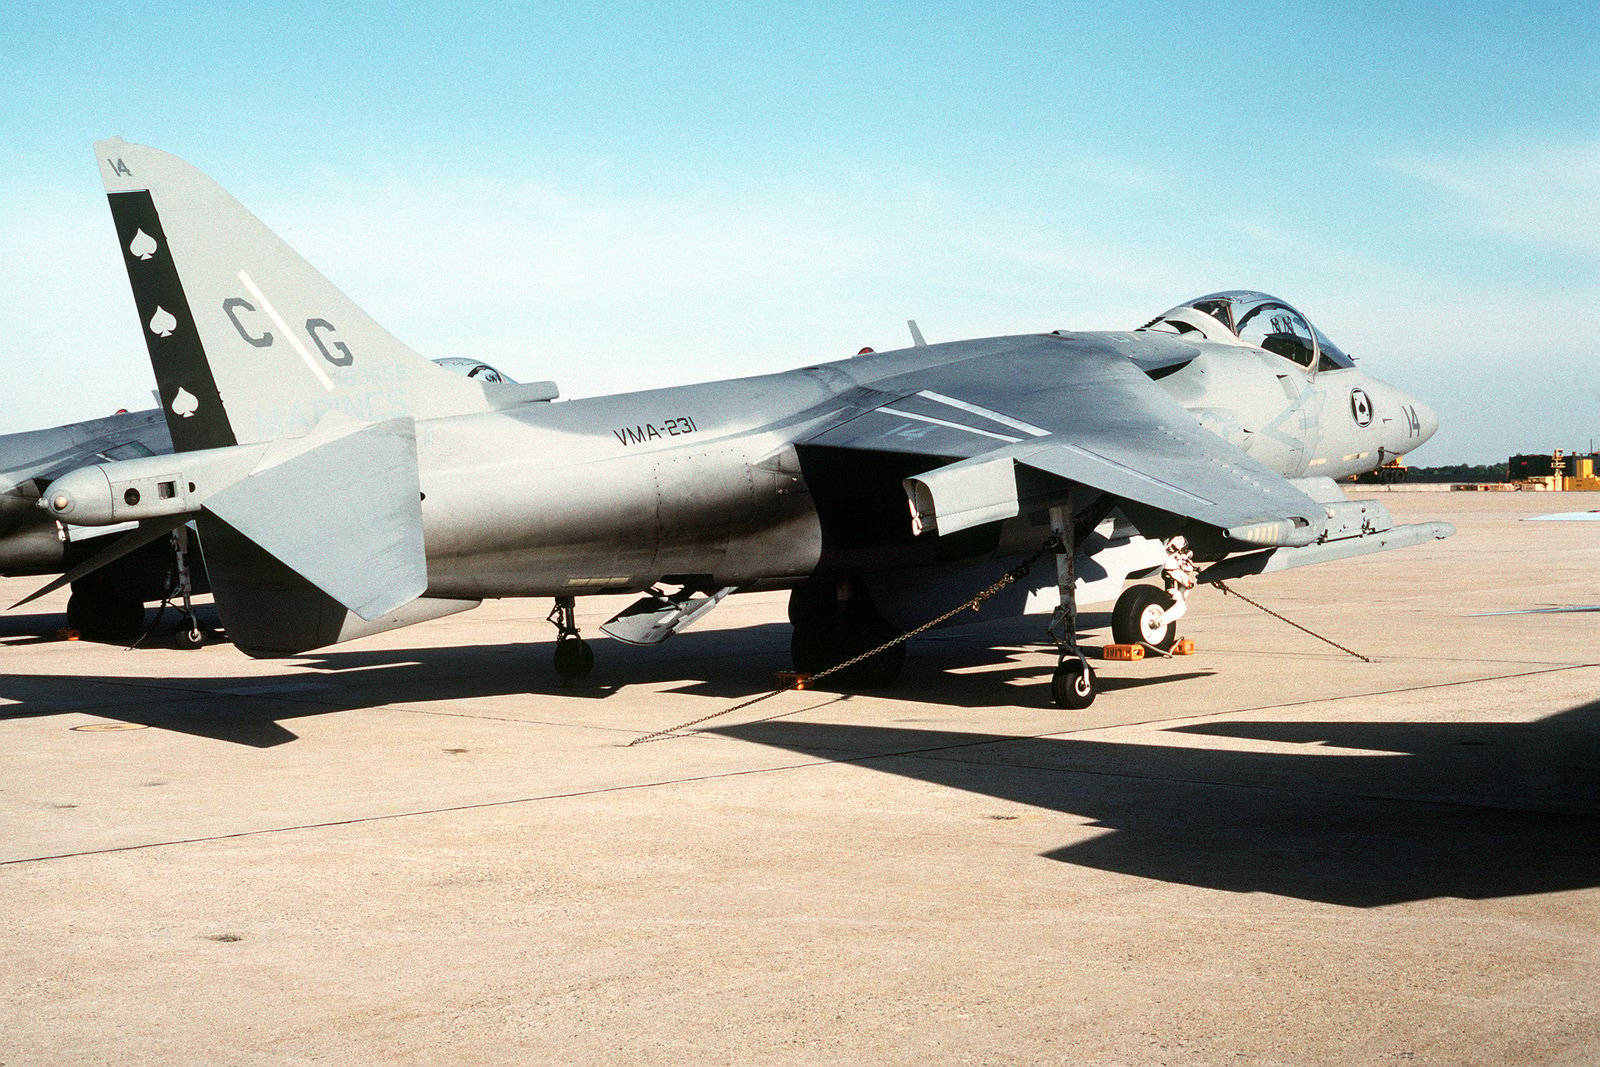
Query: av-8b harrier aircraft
x,y
343,485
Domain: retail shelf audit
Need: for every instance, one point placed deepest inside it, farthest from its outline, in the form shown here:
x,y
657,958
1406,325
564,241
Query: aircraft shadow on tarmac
x,y
251,708
1435,810
1395,812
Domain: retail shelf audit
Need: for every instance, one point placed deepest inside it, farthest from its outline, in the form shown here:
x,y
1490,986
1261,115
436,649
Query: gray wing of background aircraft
x,y
107,599
110,601
342,485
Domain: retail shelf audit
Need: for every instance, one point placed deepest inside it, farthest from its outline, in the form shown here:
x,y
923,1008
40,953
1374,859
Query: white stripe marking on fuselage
x,y
294,342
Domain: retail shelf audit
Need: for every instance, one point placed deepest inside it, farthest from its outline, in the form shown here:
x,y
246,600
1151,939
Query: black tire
x,y
100,613
1133,620
188,637
1073,685
813,650
829,631
808,649
574,658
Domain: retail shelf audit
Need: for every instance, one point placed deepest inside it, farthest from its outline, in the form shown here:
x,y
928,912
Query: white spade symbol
x,y
143,245
162,323
184,404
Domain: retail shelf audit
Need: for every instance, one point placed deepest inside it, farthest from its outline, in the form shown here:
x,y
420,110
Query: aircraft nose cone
x,y
1427,421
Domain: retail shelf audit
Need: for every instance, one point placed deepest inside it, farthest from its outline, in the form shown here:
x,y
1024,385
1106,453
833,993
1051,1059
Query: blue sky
x,y
619,196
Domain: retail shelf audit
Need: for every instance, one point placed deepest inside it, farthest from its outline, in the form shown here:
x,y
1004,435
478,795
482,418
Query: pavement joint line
x,y
1327,699
397,815
926,752
630,730
1202,717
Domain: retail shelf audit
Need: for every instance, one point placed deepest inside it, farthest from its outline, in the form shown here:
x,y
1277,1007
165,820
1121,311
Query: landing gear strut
x,y
189,634
574,658
1149,616
1074,684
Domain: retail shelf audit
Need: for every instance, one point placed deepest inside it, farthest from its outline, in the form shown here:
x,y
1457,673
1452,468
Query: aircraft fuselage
x,y
616,493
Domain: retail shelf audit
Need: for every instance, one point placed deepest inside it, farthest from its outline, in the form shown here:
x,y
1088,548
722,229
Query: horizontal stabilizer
x,y
341,510
270,611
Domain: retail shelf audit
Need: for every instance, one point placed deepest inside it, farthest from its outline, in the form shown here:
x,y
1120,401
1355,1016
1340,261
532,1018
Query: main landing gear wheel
x,y
99,612
1136,618
834,622
1073,685
574,658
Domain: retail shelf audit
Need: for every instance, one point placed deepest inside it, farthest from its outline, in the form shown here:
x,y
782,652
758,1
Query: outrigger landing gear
x,y
1073,685
574,658
189,634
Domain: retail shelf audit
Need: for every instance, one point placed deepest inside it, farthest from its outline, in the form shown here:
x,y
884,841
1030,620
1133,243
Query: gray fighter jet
x,y
342,485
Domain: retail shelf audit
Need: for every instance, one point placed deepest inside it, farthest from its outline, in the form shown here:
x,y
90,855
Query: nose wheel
x,y
1141,617
574,658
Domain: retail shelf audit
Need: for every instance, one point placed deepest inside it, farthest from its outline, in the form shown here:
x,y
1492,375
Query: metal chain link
x,y
1016,574
1229,592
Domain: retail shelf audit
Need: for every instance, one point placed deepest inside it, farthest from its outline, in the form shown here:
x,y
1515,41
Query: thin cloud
x,y
1544,195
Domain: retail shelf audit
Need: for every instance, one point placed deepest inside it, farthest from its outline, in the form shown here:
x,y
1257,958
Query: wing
x,y
31,460
43,455
1074,410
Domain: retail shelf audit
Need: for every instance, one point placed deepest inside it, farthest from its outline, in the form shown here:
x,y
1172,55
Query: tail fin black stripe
x,y
189,397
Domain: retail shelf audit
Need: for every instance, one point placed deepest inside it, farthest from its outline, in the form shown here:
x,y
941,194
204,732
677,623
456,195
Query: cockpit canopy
x,y
1256,319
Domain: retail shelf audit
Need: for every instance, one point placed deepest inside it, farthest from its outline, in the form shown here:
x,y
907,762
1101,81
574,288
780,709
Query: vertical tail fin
x,y
323,540
248,341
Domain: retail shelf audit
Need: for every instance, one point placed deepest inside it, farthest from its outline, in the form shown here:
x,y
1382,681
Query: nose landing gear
x,y
1145,615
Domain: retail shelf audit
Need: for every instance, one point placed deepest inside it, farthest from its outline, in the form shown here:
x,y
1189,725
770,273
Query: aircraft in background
x,y
107,602
342,485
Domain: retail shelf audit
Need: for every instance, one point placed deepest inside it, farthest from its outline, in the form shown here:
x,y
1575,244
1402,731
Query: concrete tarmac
x,y
422,848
